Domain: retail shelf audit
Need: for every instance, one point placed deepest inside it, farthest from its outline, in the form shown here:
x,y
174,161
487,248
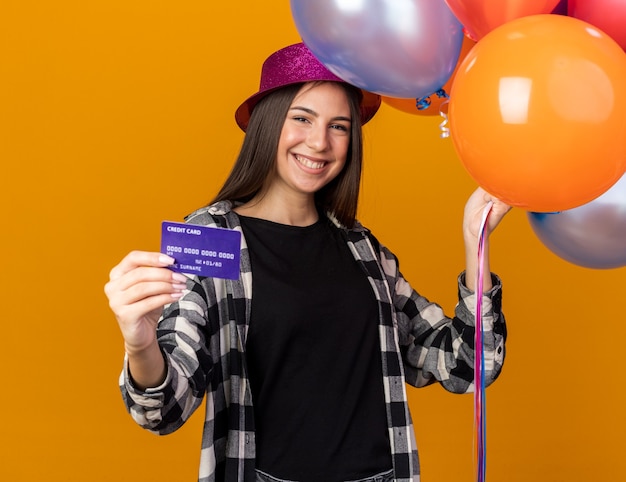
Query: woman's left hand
x,y
474,209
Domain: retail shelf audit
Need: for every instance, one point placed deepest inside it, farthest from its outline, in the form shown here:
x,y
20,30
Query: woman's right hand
x,y
138,289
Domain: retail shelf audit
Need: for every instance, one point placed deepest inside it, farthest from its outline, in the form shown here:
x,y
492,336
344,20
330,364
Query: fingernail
x,y
166,259
179,277
179,286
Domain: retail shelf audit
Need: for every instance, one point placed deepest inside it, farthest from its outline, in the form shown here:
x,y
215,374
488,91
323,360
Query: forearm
x,y
160,404
147,367
472,265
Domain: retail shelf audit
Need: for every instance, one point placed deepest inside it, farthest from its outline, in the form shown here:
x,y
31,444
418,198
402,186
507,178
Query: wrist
x,y
144,351
147,368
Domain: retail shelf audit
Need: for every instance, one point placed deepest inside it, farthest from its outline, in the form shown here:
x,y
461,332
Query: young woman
x,y
304,358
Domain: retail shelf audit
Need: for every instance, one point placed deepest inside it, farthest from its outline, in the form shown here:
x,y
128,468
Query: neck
x,y
296,211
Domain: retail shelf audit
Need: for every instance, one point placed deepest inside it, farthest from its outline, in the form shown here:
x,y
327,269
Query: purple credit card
x,y
201,250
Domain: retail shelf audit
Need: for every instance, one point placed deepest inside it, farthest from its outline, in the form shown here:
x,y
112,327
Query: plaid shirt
x,y
203,338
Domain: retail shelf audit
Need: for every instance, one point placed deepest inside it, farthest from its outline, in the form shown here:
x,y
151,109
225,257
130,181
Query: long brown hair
x,y
256,161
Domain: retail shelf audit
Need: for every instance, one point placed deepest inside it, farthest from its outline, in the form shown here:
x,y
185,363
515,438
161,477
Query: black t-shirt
x,y
313,356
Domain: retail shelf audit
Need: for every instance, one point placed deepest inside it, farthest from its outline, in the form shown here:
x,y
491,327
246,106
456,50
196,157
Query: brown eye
x,y
339,127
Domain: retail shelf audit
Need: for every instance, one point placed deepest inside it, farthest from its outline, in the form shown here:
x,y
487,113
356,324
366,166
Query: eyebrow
x,y
315,114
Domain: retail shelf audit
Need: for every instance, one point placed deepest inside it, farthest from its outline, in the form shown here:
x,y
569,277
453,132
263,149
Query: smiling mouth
x,y
309,163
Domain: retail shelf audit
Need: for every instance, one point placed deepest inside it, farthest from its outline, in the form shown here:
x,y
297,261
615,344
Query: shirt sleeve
x,y
438,348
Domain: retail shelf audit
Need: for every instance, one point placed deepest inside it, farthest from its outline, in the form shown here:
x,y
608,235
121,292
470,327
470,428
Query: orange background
x,y
117,115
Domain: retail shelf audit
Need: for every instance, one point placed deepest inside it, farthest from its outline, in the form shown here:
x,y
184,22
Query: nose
x,y
317,138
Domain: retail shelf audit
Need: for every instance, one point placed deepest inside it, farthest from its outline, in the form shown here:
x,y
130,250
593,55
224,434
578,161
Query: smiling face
x,y
314,140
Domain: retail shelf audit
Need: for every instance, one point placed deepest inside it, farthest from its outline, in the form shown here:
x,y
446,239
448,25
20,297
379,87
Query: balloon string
x,y
445,130
480,426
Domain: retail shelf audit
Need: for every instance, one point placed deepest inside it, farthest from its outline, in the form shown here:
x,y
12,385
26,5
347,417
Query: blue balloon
x,y
592,235
398,48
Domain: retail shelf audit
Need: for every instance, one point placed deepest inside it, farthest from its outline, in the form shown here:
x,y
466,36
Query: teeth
x,y
309,163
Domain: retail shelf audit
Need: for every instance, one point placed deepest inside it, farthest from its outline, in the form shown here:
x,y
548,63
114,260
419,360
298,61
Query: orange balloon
x,y
479,17
409,105
537,112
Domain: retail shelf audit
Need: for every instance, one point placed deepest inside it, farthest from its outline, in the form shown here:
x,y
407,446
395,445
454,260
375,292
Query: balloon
x,y
479,17
400,48
537,112
409,105
607,15
592,235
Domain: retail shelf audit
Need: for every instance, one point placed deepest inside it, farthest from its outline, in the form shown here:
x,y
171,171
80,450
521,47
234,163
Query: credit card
x,y
202,250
